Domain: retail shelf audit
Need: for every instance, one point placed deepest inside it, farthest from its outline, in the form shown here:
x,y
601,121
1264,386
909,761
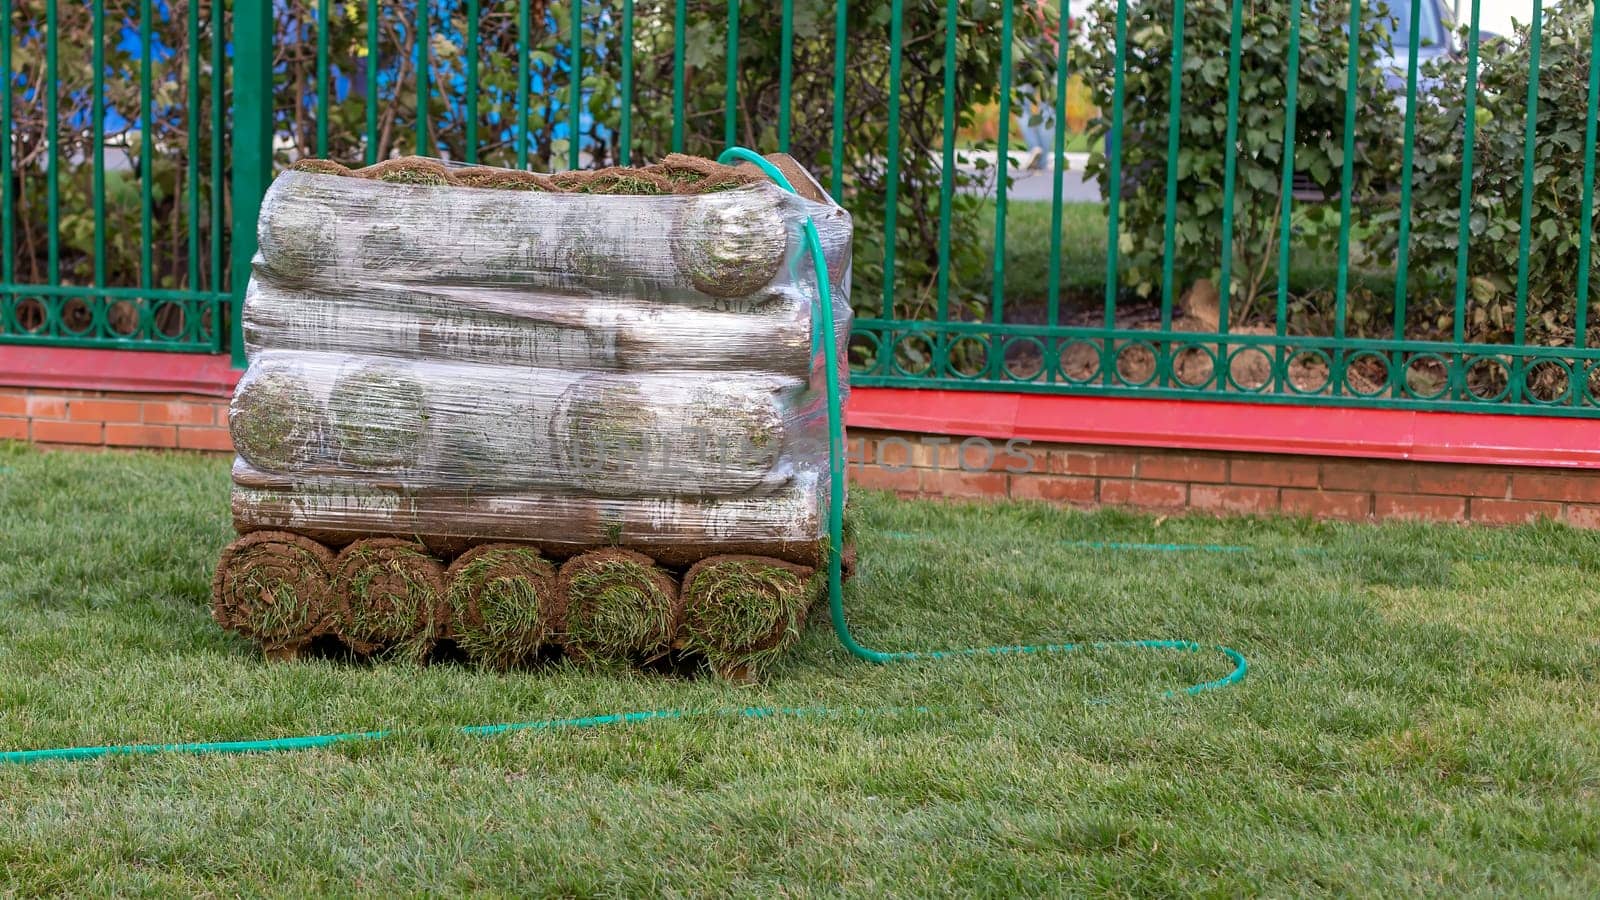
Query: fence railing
x,y
1325,203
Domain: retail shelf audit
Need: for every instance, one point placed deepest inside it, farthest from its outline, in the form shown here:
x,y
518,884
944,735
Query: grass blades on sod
x,y
620,606
389,597
743,612
505,604
274,587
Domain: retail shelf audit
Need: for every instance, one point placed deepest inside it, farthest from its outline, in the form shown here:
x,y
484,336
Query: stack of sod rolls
x,y
519,412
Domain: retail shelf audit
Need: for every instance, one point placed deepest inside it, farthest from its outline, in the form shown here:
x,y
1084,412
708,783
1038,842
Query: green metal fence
x,y
114,239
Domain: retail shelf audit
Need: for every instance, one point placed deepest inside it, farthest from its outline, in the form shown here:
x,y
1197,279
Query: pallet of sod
x,y
509,417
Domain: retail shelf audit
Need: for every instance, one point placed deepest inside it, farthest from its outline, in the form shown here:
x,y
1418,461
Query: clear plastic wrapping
x,y
428,426
463,364
787,523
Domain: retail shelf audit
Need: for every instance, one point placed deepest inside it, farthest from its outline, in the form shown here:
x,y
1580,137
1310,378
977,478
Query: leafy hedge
x,y
1495,223
1202,131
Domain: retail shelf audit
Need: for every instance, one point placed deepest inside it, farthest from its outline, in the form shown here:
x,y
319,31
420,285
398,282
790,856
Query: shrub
x,y
1202,130
1497,185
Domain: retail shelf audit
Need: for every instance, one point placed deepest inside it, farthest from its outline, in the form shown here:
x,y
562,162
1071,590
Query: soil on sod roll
x,y
504,604
742,612
620,607
389,596
274,587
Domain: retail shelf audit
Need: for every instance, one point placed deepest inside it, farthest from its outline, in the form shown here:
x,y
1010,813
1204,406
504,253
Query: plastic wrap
x,y
716,251
570,370
788,523
429,426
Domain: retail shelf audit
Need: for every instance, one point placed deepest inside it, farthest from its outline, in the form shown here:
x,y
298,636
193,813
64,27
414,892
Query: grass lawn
x,y
1421,716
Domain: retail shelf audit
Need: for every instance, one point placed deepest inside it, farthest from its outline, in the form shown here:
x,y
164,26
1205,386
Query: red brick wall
x,y
1175,480
110,419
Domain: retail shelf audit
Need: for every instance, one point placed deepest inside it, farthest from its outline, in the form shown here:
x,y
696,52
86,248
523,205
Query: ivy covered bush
x,y
1495,216
1202,131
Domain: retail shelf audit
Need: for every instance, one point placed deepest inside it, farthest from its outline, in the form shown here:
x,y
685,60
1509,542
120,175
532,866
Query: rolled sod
x,y
408,170
275,421
620,606
380,416
319,167
274,587
614,437
731,244
389,597
504,604
743,612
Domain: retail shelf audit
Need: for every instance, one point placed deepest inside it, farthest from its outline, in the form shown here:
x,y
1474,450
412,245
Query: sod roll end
x,y
274,587
275,420
743,612
504,602
731,244
389,598
620,607
380,415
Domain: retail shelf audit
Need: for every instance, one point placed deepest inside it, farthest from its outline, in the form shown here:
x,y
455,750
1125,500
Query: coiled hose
x,y
836,476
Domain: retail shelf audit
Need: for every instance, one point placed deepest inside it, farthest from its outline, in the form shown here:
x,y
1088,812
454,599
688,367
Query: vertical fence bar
x,y
372,81
575,85
192,119
97,131
730,103
840,29
625,144
1347,170
892,179
146,152
523,28
1286,186
1058,164
252,142
1169,231
786,76
1468,135
474,22
1586,227
215,193
1230,172
6,245
1407,177
997,289
1114,198
424,89
947,172
322,78
680,16
52,116
1535,27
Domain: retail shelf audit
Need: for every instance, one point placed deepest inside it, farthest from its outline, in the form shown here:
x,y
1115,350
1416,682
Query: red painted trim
x,y
1191,425
134,371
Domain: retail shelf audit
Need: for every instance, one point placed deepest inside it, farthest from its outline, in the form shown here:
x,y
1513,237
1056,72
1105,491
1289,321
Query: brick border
x,y
1225,482
56,416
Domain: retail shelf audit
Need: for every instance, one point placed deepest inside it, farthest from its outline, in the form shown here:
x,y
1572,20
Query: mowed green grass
x,y
1421,716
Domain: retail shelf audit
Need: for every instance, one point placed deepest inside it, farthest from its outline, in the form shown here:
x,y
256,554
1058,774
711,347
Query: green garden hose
x,y
841,628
